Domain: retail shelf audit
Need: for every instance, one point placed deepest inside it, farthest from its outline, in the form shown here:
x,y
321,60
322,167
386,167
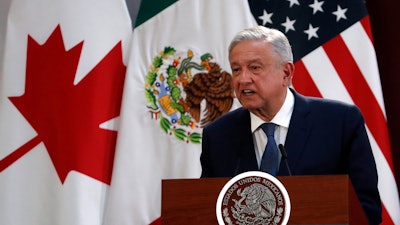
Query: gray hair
x,y
276,38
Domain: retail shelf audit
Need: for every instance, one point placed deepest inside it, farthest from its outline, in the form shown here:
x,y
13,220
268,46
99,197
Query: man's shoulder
x,y
232,118
324,105
318,101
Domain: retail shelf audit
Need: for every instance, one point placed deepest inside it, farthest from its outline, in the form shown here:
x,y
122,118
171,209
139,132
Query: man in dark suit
x,y
321,136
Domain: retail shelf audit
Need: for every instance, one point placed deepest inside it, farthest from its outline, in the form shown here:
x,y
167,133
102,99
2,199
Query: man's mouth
x,y
247,92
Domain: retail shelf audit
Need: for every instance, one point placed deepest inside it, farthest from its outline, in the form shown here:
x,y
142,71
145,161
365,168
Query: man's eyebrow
x,y
255,60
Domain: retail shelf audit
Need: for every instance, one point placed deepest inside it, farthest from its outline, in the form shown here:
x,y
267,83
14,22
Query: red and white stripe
x,y
345,68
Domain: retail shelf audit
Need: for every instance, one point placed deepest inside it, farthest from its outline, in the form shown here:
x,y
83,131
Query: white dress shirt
x,y
281,121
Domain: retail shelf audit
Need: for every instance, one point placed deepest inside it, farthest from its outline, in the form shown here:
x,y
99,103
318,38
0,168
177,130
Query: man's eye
x,y
254,67
235,70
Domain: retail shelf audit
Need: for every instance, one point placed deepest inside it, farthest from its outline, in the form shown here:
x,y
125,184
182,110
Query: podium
x,y
314,200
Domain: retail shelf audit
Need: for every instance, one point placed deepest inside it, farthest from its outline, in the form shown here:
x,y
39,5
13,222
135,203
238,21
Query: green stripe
x,y
150,8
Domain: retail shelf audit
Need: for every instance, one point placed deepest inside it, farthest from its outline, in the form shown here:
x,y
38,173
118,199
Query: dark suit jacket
x,y
324,137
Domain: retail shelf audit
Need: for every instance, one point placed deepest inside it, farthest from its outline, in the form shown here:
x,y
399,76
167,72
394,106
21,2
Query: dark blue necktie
x,y
270,158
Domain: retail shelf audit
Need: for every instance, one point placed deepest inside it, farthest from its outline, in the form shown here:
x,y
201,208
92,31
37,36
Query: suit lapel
x,y
298,132
245,146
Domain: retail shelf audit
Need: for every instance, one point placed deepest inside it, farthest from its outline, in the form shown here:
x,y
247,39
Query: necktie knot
x,y
268,129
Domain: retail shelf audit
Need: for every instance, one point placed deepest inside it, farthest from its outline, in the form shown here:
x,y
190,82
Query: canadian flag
x,y
62,76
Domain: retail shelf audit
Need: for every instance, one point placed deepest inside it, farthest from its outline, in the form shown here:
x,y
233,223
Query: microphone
x,y
284,157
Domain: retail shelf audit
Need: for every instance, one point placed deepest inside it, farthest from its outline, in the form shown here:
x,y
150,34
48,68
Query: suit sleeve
x,y
204,157
361,164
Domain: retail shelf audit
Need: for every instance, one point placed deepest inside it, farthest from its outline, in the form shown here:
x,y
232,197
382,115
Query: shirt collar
x,y
282,118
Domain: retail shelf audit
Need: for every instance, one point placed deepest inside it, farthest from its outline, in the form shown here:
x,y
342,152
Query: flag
x,y
176,45
335,58
61,81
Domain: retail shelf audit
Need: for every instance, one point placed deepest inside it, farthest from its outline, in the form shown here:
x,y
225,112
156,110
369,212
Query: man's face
x,y
260,79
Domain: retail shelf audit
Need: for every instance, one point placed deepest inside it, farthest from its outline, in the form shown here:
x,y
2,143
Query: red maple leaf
x,y
65,116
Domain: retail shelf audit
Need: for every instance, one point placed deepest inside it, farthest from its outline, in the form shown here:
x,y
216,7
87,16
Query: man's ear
x,y
288,69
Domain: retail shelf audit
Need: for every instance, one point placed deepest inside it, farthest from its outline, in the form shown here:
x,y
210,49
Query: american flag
x,y
335,58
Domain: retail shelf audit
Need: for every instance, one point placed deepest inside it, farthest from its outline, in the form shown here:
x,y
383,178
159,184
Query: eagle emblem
x,y
185,92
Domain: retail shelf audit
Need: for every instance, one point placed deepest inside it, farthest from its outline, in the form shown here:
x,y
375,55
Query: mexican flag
x,y
61,79
177,48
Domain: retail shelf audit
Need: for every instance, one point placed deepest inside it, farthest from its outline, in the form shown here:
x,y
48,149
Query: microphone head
x,y
284,157
283,151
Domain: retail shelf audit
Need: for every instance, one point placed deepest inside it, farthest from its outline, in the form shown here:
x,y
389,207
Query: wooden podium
x,y
314,200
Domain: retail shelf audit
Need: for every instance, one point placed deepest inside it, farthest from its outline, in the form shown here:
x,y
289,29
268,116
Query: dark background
x,y
385,24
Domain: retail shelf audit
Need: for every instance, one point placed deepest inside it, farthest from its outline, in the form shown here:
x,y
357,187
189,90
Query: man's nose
x,y
244,76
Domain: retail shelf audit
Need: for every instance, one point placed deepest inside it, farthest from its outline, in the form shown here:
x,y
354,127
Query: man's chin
x,y
250,107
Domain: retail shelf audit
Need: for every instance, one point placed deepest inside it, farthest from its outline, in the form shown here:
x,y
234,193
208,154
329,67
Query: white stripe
x,y
386,183
325,76
363,52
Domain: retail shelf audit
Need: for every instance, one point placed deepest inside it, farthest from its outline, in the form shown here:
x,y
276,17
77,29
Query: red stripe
x,y
302,81
156,222
386,219
365,23
360,92
21,151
